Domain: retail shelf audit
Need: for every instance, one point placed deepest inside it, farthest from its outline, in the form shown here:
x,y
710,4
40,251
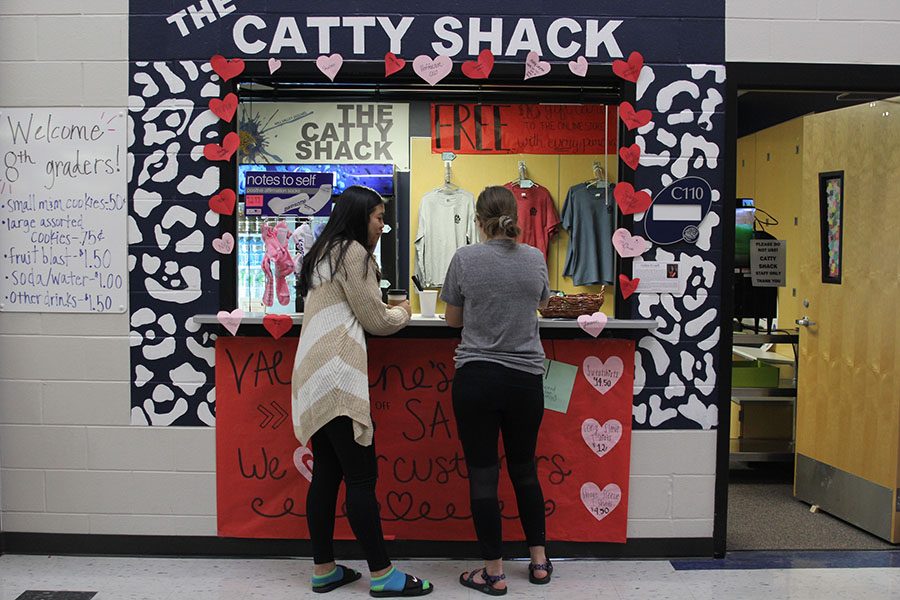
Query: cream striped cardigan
x,y
330,377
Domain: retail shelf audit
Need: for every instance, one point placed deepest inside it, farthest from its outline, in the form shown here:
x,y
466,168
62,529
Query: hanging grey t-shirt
x,y
499,285
588,215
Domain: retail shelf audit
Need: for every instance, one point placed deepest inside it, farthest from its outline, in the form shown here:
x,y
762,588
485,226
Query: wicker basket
x,y
573,306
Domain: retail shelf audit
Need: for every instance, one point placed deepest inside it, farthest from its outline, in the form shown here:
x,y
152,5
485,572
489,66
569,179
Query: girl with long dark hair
x,y
330,390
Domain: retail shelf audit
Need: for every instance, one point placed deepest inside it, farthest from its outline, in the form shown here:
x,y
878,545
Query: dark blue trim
x,y
745,561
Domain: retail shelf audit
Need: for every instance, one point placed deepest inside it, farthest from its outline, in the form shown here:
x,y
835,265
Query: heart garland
x,y
226,69
230,320
224,151
534,66
224,108
277,325
631,155
579,66
628,286
225,244
631,202
392,64
629,70
223,202
627,245
634,119
593,324
432,70
330,65
480,68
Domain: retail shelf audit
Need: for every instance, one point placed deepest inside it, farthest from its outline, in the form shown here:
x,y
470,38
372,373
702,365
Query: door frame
x,y
758,77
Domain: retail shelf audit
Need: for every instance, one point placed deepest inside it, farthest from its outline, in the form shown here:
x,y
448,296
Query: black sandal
x,y
547,566
413,587
349,577
485,588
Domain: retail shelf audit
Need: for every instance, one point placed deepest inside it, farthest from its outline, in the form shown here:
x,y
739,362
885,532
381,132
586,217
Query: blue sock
x,y
336,574
394,581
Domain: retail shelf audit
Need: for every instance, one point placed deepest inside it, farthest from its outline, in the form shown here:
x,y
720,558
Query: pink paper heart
x,y
230,320
579,67
534,66
303,461
600,503
593,324
330,65
274,65
603,375
432,70
225,244
627,245
601,438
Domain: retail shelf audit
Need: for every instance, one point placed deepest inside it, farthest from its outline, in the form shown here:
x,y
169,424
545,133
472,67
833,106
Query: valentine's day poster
x,y
263,472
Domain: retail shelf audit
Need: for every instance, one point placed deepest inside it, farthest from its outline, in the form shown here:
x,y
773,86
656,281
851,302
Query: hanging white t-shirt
x,y
446,222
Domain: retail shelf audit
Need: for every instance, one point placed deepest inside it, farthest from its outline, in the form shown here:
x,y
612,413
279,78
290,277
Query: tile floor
x,y
747,577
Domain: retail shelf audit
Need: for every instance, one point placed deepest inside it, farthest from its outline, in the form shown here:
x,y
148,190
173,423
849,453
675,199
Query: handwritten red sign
x,y
523,128
263,472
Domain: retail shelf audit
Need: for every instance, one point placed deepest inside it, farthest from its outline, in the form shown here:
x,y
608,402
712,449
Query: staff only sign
x,y
263,473
322,132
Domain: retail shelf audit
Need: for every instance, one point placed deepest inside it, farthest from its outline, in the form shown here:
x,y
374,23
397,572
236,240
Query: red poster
x,y
523,128
263,472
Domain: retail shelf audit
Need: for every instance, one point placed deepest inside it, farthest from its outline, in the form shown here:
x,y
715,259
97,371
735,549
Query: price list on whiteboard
x,y
63,210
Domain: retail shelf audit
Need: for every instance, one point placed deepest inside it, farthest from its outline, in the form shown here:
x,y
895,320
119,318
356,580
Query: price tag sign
x,y
559,379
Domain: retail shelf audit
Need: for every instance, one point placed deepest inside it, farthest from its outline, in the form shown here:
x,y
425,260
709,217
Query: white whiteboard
x,y
63,210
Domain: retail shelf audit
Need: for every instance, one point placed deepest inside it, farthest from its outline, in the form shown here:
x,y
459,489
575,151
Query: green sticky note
x,y
559,379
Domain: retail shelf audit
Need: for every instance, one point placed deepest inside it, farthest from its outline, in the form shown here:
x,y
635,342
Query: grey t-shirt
x,y
499,285
588,214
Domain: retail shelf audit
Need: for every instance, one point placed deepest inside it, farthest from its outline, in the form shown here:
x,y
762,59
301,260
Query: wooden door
x,y
848,404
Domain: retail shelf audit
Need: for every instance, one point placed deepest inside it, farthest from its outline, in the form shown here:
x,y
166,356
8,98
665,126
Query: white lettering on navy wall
x,y
452,36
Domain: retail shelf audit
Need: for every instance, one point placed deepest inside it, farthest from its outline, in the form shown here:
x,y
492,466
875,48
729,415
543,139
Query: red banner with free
x,y
263,473
524,128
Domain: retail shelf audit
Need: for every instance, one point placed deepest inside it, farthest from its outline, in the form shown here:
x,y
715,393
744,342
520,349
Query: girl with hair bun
x,y
493,291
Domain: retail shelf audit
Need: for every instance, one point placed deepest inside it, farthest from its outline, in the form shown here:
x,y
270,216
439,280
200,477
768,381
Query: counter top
x,y
438,321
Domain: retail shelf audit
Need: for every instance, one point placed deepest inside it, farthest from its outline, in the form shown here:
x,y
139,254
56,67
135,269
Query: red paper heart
x,y
224,151
481,68
628,286
278,325
631,155
633,119
225,108
392,64
223,202
630,201
226,69
631,70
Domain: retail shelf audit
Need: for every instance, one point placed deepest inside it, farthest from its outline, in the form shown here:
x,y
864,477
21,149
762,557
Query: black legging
x,y
337,457
489,398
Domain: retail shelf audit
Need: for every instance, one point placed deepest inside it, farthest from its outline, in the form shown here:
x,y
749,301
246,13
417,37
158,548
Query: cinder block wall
x,y
813,31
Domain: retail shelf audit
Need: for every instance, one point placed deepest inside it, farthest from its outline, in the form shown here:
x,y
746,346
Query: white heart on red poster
x,y
601,438
600,503
603,375
303,461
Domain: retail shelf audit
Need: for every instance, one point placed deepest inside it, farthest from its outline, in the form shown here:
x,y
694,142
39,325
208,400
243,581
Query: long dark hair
x,y
348,223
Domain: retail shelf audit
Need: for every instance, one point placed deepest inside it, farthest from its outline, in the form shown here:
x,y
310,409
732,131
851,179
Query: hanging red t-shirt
x,y
537,215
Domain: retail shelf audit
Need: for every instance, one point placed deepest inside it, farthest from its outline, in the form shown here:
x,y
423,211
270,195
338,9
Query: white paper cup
x,y
428,302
